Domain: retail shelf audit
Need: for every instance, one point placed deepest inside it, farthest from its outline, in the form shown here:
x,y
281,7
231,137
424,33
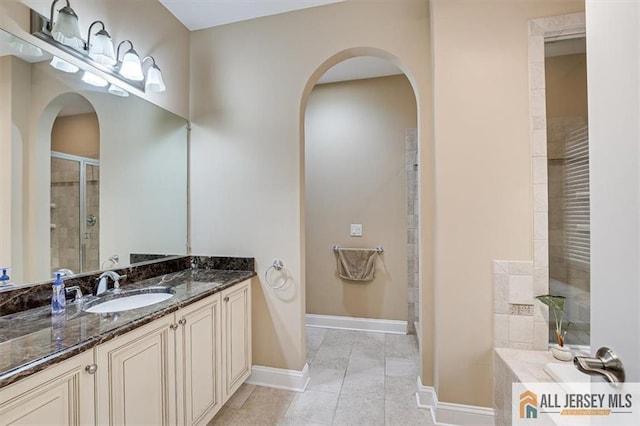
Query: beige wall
x,y
483,175
77,135
356,173
153,30
249,86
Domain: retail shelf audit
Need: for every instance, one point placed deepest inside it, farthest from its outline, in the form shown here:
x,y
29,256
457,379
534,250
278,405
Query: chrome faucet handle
x,y
606,363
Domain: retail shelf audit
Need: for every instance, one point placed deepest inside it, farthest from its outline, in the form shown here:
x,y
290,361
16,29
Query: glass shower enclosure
x,y
75,206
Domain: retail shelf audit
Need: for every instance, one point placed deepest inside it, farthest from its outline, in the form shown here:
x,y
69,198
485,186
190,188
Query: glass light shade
x,y
101,49
66,28
93,79
23,47
118,91
131,67
62,65
154,82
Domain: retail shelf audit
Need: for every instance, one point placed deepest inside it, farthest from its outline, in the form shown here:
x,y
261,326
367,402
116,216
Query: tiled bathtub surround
x,y
512,366
39,294
519,320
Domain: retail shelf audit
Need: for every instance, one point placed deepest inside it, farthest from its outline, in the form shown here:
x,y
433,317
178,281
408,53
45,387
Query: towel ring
x,y
277,266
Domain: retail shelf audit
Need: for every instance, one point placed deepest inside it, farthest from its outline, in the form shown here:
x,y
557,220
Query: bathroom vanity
x,y
174,362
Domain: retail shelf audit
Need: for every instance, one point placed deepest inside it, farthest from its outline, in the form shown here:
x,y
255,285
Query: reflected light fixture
x,y
131,66
63,65
66,28
23,47
118,91
154,81
94,80
100,48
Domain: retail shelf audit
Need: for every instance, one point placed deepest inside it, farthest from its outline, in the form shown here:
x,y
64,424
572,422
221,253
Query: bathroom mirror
x,y
141,182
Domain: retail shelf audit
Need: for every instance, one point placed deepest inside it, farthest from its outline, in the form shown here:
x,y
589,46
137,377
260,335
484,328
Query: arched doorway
x,y
353,184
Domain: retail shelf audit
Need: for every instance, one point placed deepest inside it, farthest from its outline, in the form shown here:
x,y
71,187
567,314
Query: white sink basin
x,y
131,300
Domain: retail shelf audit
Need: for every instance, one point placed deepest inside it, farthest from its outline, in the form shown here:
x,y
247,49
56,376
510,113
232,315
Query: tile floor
x,y
357,378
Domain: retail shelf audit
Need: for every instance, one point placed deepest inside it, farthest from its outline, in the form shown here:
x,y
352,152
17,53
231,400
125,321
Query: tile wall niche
x,y
520,321
411,143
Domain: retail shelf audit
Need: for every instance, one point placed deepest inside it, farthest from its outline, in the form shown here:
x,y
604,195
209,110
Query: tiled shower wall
x,y
411,143
520,322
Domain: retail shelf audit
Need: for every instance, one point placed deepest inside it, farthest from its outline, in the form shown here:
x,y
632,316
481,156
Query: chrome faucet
x,y
64,272
606,363
77,291
103,280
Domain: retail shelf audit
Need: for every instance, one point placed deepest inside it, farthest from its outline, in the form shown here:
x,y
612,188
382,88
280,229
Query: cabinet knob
x,y
173,326
91,369
183,321
226,299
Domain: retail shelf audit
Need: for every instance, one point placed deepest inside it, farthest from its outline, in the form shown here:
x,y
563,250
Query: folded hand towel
x,y
356,265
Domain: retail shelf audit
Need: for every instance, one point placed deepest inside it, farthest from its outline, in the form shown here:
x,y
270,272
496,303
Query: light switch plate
x,y
356,230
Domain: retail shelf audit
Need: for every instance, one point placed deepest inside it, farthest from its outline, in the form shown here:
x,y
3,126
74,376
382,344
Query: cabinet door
x,y
62,394
136,376
236,335
199,363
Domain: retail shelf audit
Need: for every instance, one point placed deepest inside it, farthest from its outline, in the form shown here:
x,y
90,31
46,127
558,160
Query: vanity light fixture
x,y
100,48
63,65
96,52
65,29
94,80
154,81
118,91
131,67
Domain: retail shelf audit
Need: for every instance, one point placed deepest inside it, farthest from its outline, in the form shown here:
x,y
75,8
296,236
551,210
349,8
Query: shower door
x,y
74,212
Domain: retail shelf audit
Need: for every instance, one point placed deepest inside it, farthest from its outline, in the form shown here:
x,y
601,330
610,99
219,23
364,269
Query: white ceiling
x,y
200,14
359,68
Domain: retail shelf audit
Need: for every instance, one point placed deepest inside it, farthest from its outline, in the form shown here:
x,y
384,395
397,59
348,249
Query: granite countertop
x,y
29,342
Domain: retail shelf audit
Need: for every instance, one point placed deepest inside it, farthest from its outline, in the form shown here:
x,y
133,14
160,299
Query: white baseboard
x,y
280,378
359,324
445,413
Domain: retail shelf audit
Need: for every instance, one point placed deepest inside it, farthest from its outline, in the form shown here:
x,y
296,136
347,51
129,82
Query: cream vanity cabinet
x,y
62,394
179,369
236,336
136,380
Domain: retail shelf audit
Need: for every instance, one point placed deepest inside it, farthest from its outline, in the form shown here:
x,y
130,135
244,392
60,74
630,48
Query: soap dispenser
x,y
5,280
58,296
